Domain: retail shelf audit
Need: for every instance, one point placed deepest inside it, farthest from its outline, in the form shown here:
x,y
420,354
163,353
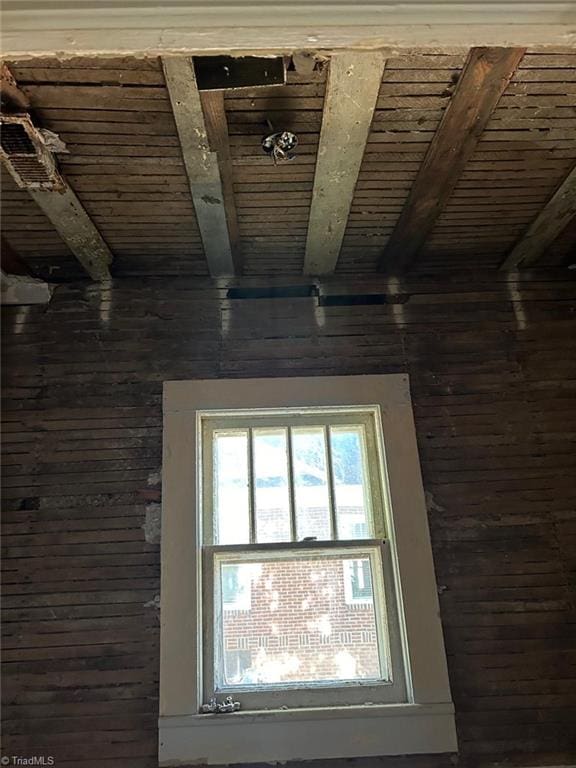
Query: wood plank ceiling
x,y
126,166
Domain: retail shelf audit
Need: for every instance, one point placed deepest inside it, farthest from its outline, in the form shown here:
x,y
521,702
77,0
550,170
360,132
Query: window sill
x,y
307,734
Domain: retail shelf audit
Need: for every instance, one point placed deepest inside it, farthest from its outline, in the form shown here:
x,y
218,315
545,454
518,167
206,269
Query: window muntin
x,y
312,476
263,475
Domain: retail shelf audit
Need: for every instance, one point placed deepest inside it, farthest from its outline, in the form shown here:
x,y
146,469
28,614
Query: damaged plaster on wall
x,y
152,525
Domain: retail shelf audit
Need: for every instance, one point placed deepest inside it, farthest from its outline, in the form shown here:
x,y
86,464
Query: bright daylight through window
x,y
298,587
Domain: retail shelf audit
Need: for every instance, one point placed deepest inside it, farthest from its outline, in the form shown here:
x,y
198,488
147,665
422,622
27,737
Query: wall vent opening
x,y
25,155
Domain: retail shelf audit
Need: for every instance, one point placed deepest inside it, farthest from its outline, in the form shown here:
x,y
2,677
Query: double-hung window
x,y
294,539
297,575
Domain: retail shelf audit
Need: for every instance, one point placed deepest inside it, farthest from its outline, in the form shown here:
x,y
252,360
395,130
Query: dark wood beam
x,y
482,82
219,140
550,222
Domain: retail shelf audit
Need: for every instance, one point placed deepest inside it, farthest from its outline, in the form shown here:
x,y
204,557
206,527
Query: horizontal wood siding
x,y
492,361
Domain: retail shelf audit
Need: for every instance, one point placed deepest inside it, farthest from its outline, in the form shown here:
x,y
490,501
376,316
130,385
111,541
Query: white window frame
x,y
392,687
425,722
349,596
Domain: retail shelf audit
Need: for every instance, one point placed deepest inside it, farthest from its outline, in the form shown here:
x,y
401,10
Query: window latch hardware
x,y
215,707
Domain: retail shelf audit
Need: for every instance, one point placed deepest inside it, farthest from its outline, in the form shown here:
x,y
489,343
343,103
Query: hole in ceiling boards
x,y
215,73
276,292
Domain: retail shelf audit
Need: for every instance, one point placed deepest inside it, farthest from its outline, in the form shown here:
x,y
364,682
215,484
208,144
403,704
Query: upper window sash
x,y
246,424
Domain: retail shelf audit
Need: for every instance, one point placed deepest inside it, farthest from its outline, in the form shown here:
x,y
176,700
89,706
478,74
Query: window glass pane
x,y
350,482
310,484
231,491
271,490
311,619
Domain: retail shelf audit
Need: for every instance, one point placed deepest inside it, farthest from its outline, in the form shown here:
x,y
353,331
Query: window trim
x,y
426,723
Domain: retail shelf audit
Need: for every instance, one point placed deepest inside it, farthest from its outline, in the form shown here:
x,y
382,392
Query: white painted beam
x,y
75,227
201,164
42,27
352,91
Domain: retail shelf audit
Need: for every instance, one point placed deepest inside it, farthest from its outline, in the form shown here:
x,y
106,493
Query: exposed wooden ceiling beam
x,y
219,140
484,78
546,227
65,211
201,164
38,27
352,91
76,229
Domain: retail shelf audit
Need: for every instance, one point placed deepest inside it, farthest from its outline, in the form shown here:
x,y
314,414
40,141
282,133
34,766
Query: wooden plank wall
x,y
124,162
493,376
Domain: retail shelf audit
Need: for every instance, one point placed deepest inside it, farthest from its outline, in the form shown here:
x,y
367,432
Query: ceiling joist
x,y
201,164
483,80
219,141
76,229
546,227
352,91
57,200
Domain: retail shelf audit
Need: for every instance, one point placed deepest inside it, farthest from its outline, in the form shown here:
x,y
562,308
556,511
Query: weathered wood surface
x,y
353,84
219,141
484,78
76,228
120,156
493,372
125,165
201,164
547,226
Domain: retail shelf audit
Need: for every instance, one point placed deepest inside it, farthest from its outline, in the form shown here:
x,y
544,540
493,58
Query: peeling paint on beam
x,y
201,164
352,91
75,227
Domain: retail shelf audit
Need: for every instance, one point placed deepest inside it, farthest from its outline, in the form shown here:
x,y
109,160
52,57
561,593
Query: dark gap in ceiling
x,y
276,292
